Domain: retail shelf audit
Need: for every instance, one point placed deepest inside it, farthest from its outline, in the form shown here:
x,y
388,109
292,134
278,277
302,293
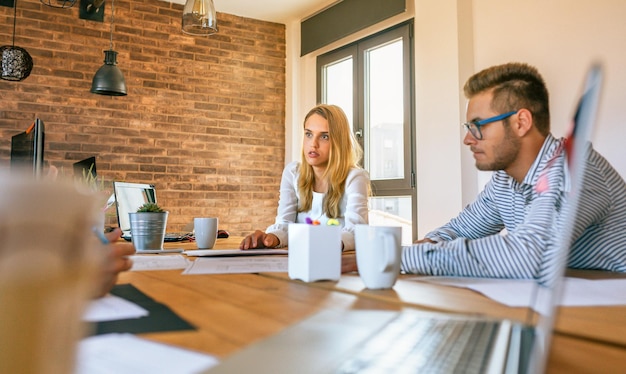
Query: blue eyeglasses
x,y
474,126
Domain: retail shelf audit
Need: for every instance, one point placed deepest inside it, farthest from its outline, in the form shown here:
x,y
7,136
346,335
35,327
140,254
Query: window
x,y
371,80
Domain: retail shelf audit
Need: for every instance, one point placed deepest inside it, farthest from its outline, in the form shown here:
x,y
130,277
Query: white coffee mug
x,y
205,231
378,255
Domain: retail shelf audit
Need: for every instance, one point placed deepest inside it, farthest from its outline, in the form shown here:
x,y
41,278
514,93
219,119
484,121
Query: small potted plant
x,y
147,227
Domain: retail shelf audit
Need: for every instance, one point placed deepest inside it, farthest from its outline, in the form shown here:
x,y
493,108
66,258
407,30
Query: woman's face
x,y
316,142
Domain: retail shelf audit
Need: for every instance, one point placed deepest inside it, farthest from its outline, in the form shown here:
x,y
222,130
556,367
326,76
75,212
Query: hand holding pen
x,y
117,259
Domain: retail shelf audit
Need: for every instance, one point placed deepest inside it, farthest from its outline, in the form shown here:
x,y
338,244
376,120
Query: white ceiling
x,y
279,11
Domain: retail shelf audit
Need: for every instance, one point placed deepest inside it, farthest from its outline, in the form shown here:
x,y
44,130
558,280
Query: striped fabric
x,y
506,231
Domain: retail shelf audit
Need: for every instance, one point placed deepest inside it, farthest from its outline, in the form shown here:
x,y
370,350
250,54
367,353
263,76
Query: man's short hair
x,y
515,86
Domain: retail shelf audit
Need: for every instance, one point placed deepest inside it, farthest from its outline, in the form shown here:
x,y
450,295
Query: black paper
x,y
160,317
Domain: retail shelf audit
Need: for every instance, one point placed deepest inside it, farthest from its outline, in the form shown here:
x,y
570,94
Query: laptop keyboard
x,y
415,344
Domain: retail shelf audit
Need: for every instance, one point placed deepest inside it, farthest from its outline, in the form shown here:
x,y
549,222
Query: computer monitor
x,y
86,169
27,149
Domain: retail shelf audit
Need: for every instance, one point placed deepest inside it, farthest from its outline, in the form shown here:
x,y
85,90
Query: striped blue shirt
x,y
506,231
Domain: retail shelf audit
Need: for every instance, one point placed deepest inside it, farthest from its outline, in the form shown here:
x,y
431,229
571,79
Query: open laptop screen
x,y
129,197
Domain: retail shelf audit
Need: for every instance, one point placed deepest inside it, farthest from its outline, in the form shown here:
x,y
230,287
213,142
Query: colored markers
x,y
330,222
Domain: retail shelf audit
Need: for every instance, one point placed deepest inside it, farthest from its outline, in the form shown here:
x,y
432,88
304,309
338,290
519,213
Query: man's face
x,y
499,147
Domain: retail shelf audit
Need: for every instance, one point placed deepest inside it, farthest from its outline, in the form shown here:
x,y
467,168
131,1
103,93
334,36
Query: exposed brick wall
x,y
204,119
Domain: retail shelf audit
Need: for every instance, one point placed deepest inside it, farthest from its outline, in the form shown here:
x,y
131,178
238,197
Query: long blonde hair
x,y
345,154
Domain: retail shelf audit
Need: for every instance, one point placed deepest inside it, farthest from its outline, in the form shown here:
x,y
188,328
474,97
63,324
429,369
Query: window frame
x,y
399,187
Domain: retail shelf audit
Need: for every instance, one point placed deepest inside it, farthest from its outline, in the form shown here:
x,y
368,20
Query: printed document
x,y
234,265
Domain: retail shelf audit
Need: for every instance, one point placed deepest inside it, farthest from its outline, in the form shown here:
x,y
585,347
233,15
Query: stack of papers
x,y
235,252
519,292
128,354
112,308
234,265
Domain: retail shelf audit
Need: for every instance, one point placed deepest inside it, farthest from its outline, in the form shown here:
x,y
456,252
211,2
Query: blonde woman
x,y
326,184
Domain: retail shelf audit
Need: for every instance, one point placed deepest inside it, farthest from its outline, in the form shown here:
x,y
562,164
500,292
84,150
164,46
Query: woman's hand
x,y
348,263
259,239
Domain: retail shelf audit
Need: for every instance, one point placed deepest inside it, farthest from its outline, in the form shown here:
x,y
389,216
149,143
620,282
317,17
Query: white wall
x,y
454,39
437,113
561,38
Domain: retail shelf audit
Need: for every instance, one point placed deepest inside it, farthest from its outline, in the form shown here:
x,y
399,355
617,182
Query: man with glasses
x,y
505,231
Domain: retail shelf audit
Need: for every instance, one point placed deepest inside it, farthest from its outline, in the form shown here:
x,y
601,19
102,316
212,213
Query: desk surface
x,y
602,323
232,311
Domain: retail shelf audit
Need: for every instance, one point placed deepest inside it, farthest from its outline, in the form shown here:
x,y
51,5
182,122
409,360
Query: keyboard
x,y
177,236
169,237
418,344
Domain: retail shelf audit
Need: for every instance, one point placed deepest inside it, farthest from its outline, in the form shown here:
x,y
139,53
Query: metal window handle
x,y
359,134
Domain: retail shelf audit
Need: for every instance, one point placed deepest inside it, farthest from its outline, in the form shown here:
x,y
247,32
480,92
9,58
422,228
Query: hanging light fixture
x,y
16,61
109,79
199,17
59,3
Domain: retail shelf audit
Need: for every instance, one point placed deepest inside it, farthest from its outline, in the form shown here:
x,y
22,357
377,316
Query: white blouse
x,y
353,207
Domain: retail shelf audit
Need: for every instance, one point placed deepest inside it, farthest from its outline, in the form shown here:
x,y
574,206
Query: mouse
x,y
221,234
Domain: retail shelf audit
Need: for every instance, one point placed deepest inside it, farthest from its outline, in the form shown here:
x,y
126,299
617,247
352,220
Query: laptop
x,y
129,197
413,341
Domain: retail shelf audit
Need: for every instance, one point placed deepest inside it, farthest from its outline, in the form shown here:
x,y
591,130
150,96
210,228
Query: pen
x,y
100,235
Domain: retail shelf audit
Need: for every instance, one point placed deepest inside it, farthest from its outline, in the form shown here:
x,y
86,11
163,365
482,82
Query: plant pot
x,y
147,230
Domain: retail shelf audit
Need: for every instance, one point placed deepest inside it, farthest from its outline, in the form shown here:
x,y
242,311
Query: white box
x,y
314,252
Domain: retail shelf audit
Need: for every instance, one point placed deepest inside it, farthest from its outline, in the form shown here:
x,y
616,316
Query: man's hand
x,y
425,240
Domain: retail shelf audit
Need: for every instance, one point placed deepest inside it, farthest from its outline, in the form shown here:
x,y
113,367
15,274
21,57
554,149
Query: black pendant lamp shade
x,y
16,62
109,79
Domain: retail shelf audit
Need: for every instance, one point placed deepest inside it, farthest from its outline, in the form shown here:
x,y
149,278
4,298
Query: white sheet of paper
x,y
518,292
159,262
235,252
234,265
128,354
112,308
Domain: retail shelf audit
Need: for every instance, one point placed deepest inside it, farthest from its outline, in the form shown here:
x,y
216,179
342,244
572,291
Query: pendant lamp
x,y
199,17
59,3
109,79
16,61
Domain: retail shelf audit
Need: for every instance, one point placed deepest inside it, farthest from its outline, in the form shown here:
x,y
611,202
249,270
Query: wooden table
x,y
606,324
232,311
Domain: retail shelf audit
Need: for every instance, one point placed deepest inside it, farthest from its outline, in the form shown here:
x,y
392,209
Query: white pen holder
x,y
314,252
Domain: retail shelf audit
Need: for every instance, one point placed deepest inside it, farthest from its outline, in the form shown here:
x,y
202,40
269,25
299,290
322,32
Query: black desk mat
x,y
160,317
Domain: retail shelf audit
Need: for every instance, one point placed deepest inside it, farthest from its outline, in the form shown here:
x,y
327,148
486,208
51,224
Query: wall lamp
x,y
92,10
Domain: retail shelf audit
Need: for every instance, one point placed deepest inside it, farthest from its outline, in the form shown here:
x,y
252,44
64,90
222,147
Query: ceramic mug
x,y
205,231
378,255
